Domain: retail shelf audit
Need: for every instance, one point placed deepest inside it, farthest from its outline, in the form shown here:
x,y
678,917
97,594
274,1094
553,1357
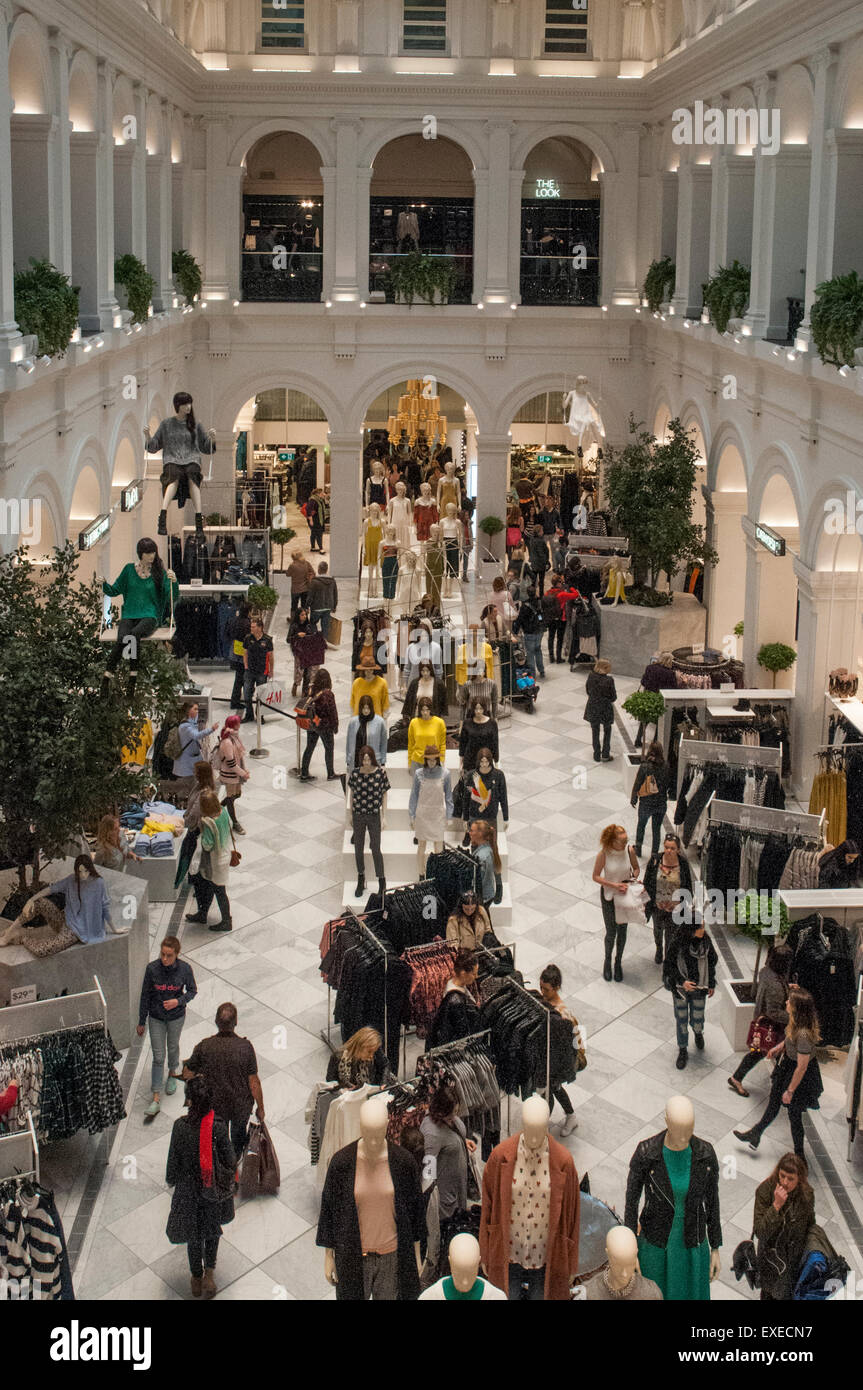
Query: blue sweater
x,y
87,914
190,742
163,982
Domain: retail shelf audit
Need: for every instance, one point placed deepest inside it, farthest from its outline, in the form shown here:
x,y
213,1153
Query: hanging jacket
x,y
648,1174
339,1226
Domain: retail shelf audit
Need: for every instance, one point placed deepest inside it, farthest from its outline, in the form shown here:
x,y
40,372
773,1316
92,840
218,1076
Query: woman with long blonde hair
x,y
797,1080
362,1061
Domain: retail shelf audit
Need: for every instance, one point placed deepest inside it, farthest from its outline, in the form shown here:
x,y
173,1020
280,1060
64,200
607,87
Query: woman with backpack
x,y
783,1217
231,764
323,725
650,795
200,1169
529,623
183,744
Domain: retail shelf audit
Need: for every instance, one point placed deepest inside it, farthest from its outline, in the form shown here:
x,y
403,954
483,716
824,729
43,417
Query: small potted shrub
x,y
836,319
138,284
659,283
187,275
726,294
776,656
417,276
262,600
281,538
754,917
490,526
648,707
46,305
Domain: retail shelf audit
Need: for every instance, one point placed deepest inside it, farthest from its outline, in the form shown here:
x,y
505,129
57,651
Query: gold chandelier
x,y
418,414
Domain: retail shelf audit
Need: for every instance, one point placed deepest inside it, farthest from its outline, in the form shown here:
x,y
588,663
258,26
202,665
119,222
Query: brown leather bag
x,y
260,1172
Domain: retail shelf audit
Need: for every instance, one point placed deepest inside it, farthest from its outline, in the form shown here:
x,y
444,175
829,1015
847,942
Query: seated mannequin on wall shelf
x,y
679,1231
181,440
622,1280
464,1282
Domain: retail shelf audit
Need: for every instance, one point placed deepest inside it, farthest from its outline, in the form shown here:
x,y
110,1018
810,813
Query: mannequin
x,y
452,531
182,440
475,659
434,560
425,512
377,487
584,421
679,1232
430,805
400,515
528,1231
464,1282
616,584
372,1198
621,1282
369,682
448,489
146,588
372,534
388,554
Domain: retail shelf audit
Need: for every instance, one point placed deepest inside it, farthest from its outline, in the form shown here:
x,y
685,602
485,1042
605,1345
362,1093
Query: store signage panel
x,y
770,540
132,495
94,532
547,188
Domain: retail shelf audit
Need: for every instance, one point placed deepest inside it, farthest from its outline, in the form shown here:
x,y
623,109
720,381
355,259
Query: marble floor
x,y
291,881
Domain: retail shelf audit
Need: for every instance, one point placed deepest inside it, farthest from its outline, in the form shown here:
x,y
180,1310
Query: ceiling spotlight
x,y
362,303
480,306
638,309
128,330
777,352
329,304
236,303
98,342
88,347
792,356
605,308
737,338
687,323
513,306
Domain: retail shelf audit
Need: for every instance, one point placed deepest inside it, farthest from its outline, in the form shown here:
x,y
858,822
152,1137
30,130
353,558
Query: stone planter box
x,y
736,1014
629,767
631,635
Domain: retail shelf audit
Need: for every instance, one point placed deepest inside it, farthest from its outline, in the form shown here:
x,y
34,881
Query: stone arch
x,y
128,430
613,415
178,139
155,126
848,96
156,411
727,433
88,463
276,126
232,399
689,414
30,80
816,542
794,98
83,95
584,134
42,487
778,459
446,130
357,407
123,104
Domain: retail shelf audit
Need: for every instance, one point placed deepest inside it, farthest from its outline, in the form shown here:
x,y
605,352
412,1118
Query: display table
x,y
632,636
118,961
160,874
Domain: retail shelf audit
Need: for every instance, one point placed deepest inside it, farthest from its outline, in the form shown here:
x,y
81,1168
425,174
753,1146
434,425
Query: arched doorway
x,y
772,602
283,220
726,590
422,200
86,508
281,454
560,224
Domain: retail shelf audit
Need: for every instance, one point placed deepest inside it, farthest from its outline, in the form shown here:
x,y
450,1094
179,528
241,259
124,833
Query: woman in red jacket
x,y
323,724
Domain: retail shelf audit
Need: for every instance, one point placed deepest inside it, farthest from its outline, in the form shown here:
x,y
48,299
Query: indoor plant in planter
x,y
756,916
262,600
648,707
659,283
46,305
490,526
726,294
776,656
836,319
651,486
138,284
187,274
417,276
281,538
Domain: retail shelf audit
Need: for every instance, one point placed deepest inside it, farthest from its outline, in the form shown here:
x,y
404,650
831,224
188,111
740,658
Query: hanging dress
x,y
584,419
426,515
400,518
373,541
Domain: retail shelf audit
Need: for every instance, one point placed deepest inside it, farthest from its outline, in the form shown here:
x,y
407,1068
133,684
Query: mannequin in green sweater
x,y
146,589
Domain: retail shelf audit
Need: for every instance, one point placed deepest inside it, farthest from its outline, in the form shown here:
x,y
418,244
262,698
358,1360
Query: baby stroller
x,y
524,688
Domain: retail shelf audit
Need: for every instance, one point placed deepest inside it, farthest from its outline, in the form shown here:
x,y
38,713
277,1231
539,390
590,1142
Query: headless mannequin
x,y
451,529
381,491
371,548
680,1119
372,1149
622,1281
448,489
464,1259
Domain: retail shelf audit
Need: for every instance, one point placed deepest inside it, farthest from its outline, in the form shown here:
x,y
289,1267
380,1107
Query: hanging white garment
x,y
584,420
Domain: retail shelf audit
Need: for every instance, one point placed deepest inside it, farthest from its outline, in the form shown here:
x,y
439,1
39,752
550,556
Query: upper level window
x,y
283,24
424,26
565,28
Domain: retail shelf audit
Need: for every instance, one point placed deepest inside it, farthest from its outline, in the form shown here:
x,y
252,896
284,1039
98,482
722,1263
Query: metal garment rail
x,y
694,750
439,947
37,1020
490,950
766,818
19,1153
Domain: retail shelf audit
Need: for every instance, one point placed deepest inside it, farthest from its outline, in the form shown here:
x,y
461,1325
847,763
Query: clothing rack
x,y
766,818
351,917
48,1016
457,1042
857,1084
539,1005
694,750
19,1153
409,952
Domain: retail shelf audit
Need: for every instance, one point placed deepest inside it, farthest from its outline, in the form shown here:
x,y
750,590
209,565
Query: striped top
x,y
30,1248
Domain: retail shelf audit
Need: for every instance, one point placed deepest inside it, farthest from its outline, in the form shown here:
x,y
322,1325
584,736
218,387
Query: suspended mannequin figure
x,y
146,588
400,515
182,440
584,420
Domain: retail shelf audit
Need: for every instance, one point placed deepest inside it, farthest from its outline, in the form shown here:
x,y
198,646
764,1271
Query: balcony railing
x,y
380,278
299,282
551,280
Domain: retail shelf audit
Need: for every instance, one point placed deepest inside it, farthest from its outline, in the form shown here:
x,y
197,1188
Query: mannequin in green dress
x,y
434,558
679,1175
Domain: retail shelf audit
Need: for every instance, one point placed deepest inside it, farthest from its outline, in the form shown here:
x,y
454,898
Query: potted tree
x,y
648,707
281,538
137,283
46,305
776,656
262,600
187,275
60,762
659,283
836,318
651,486
490,526
763,918
417,276
726,294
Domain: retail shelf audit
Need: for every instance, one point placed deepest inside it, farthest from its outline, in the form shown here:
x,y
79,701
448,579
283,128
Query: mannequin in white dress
x,y
584,419
400,515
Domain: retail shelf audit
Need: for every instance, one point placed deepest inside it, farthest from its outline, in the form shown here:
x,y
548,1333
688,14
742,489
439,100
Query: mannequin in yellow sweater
x,y
373,685
424,730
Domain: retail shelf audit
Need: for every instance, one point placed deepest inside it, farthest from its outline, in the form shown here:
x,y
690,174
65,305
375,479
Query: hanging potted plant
x,y
417,276
46,305
659,283
726,294
262,601
836,319
776,656
187,274
138,284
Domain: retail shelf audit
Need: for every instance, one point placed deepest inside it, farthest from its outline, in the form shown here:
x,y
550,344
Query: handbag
x,y
334,631
223,1181
648,786
578,1046
630,906
236,857
305,712
259,1175
763,1035
458,807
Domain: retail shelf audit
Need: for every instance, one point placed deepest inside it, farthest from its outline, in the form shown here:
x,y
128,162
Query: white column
x,y
218,233
10,336
349,278
755,555
481,221
693,236
516,188
345,472
734,192
757,317
781,254
620,222
493,285
843,239
328,176
32,194
234,222
160,216
492,467
85,215
364,186
61,198
725,586
819,241
139,174
107,305
814,660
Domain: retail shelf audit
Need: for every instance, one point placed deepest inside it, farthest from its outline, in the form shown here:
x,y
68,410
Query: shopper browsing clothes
x,y
783,1217
361,1062
483,848
458,1013
168,987
689,972
770,1015
200,1169
229,1067
650,795
368,786
190,737
550,982
616,866
797,1080
469,924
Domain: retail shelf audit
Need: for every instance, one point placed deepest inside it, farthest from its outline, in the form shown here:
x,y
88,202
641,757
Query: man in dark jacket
x,y
538,557
322,599
689,971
